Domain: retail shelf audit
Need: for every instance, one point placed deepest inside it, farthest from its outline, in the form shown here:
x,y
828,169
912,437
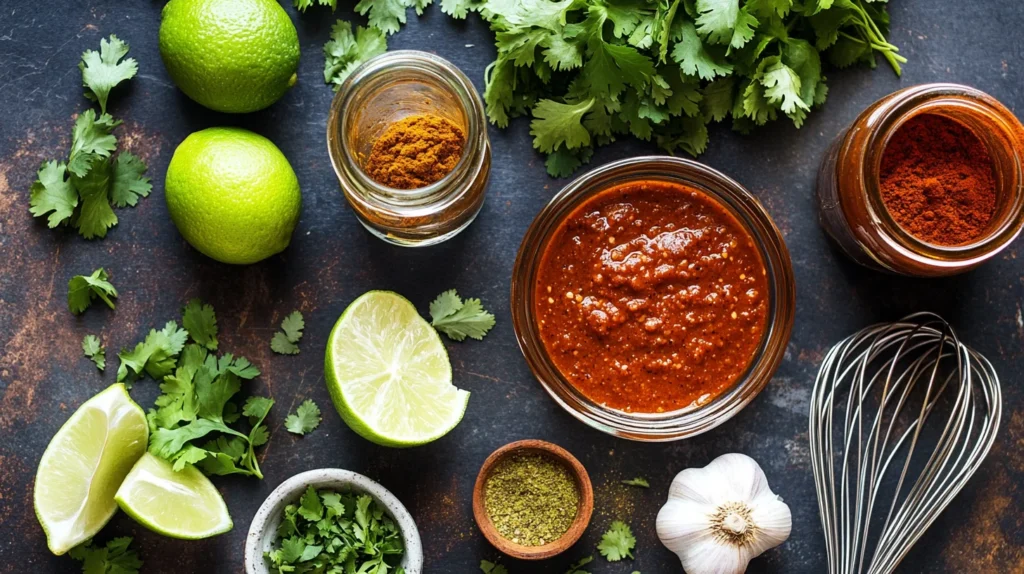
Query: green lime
x,y
180,504
388,373
233,195
84,464
232,56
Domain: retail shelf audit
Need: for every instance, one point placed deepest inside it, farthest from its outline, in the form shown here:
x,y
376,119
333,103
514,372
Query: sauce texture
x,y
651,297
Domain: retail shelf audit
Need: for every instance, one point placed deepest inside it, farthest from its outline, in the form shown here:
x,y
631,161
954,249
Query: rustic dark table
x,y
43,376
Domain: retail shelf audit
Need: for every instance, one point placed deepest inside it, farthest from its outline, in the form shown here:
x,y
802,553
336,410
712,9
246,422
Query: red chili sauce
x,y
651,297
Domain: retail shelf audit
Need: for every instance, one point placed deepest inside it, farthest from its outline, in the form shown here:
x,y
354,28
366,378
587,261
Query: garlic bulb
x,y
719,517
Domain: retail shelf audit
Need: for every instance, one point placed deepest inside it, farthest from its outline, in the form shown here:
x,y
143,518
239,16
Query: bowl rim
x,y
749,213
583,513
264,522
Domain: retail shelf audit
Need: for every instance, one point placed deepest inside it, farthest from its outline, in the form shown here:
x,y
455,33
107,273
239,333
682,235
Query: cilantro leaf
x,y
102,71
694,58
302,5
92,139
389,15
82,289
725,22
94,216
155,356
94,350
52,193
617,543
555,124
304,419
638,481
458,319
488,567
128,181
577,568
346,51
114,558
201,323
285,342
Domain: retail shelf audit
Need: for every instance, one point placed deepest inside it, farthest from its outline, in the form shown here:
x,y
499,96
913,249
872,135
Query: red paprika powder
x,y
938,180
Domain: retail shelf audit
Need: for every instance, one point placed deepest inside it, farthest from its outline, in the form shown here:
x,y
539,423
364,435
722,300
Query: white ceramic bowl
x,y
263,529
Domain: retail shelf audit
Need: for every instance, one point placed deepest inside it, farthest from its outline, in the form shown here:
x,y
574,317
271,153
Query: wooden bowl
x,y
586,508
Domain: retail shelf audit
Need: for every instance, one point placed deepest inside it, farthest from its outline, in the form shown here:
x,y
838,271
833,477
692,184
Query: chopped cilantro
x,y
345,51
114,558
201,323
304,419
638,481
331,531
101,71
460,319
617,543
286,340
94,350
82,289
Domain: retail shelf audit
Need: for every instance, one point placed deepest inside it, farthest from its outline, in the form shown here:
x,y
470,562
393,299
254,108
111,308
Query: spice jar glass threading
x,y
385,90
852,206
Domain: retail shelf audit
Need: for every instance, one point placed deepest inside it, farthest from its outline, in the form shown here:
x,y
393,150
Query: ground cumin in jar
x,y
415,151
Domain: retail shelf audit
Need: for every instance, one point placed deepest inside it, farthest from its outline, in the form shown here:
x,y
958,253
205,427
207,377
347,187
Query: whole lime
x,y
233,195
230,55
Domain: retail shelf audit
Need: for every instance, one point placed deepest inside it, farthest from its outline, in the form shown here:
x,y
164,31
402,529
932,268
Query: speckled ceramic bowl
x,y
264,524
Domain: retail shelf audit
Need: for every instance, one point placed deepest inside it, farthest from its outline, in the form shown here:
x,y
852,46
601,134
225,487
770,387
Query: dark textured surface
x,y
43,376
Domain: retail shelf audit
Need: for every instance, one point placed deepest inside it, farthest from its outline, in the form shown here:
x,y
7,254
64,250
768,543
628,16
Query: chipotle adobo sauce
x,y
651,297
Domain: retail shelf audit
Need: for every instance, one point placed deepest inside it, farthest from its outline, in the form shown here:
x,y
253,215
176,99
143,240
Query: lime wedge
x,y
84,464
182,504
388,373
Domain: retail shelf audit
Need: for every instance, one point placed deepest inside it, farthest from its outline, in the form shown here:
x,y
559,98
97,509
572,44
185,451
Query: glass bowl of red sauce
x,y
653,298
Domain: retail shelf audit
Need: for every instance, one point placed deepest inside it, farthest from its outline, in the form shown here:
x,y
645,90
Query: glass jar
x,y
382,91
849,194
694,419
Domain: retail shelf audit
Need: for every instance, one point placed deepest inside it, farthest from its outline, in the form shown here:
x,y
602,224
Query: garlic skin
x,y
719,517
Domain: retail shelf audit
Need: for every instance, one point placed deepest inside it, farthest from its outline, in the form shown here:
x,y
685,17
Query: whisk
x,y
902,414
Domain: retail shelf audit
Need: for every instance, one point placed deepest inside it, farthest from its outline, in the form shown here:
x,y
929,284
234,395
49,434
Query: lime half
x,y
182,504
84,464
389,375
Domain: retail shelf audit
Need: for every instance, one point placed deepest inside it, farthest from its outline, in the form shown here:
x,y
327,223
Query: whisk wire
x,y
902,415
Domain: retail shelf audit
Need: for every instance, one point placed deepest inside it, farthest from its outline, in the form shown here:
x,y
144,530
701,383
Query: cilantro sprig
x,y
113,558
331,531
83,190
83,289
617,542
195,419
577,568
590,71
304,420
460,319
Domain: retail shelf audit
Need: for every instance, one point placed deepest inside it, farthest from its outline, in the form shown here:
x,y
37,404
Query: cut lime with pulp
x,y
84,464
389,375
180,504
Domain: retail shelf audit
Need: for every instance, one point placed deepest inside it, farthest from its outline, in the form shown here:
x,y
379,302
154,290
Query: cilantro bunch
x,y
195,418
332,531
82,190
589,71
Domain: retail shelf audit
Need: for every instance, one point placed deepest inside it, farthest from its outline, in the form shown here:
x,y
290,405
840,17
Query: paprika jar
x,y
388,89
854,209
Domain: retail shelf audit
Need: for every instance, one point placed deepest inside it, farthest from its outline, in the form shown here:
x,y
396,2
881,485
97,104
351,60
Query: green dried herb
x,y
531,499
